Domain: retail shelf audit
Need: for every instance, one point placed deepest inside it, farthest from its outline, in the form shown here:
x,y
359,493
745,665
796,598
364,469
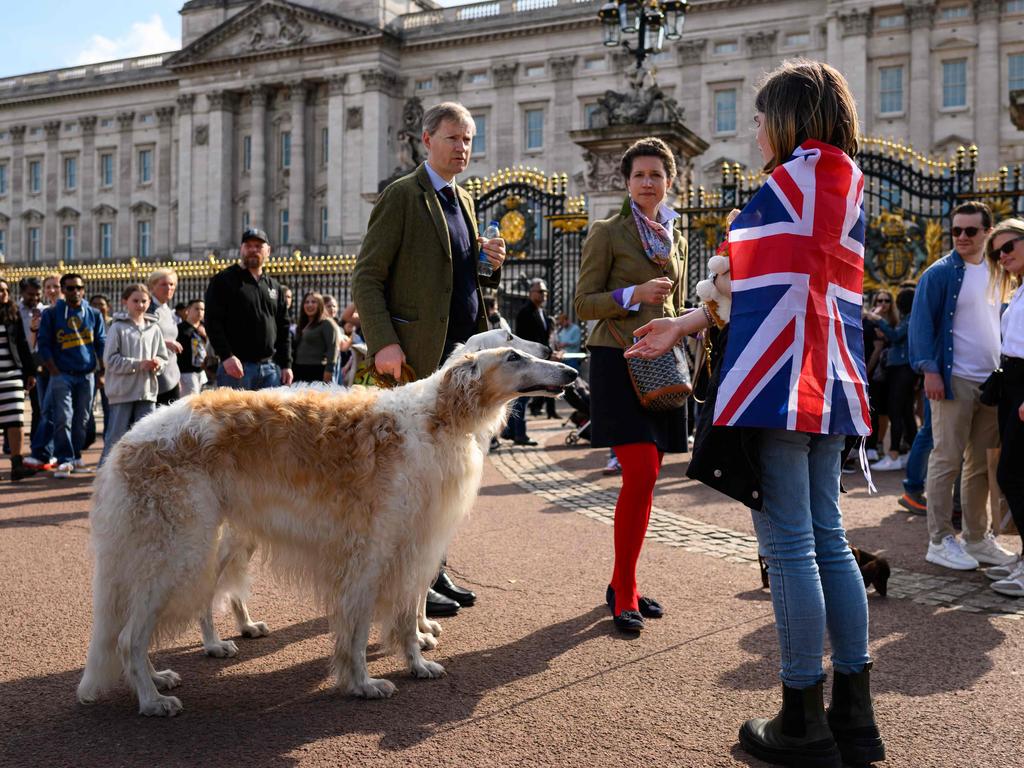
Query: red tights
x,y
641,463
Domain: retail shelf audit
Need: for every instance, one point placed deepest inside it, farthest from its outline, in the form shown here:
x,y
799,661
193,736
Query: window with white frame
x,y
891,21
106,238
144,231
70,173
890,89
480,137
726,46
323,224
725,110
476,78
3,178
954,83
282,230
954,12
68,249
3,241
1015,72
797,39
34,244
595,64
1014,6
106,122
247,153
590,112
286,149
107,169
534,124
245,220
145,166
325,146
425,85
35,176
146,119
534,70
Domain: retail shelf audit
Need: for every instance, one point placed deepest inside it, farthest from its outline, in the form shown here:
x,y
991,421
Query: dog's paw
x,y
373,688
426,669
166,679
256,629
427,641
221,650
161,706
428,626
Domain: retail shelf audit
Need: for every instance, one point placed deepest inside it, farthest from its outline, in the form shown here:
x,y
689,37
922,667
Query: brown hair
x,y
304,319
804,99
890,316
648,147
1002,282
132,288
971,208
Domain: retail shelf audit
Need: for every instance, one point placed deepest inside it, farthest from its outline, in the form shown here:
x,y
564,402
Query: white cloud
x,y
144,37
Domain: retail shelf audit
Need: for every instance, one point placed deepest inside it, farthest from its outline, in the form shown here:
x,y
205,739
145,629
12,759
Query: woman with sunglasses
x,y
1005,248
876,354
899,378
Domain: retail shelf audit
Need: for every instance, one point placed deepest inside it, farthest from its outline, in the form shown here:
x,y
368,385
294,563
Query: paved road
x,y
537,675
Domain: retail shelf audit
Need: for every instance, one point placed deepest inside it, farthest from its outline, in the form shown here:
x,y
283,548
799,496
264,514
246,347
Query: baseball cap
x,y
254,233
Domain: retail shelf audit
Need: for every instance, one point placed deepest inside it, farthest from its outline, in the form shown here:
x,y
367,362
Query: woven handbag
x,y
367,376
661,384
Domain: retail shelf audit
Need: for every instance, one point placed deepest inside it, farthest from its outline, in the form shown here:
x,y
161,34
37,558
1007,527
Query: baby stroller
x,y
577,395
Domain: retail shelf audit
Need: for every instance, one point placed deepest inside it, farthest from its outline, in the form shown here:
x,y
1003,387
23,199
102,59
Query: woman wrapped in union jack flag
x,y
790,386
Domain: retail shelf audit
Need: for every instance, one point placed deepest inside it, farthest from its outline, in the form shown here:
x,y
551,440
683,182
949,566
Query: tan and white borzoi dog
x,y
409,461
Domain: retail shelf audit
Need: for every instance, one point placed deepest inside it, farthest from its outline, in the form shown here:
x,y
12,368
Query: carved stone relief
x,y
202,135
354,118
602,173
275,28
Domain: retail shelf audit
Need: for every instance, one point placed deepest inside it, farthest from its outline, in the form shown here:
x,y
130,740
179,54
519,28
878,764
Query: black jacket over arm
x,y
530,327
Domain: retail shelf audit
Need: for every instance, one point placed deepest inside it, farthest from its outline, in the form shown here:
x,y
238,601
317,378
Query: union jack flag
x,y
795,355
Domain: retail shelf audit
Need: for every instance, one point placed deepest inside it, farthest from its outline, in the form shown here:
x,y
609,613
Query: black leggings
x,y
1011,431
900,382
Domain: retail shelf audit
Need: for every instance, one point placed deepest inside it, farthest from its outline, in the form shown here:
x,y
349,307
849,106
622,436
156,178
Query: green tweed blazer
x,y
402,284
613,258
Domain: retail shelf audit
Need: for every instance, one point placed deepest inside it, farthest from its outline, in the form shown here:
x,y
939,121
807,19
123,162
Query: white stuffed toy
x,y
716,290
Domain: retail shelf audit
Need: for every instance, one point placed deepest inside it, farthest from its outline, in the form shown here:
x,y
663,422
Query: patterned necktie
x,y
448,194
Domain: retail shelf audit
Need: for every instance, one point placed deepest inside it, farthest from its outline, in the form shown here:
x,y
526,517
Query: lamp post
x,y
651,21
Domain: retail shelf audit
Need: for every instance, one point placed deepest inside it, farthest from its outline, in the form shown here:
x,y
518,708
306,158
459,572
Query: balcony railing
x,y
86,72
485,10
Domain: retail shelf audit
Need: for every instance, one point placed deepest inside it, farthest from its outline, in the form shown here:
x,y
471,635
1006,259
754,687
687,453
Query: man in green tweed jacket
x,y
415,284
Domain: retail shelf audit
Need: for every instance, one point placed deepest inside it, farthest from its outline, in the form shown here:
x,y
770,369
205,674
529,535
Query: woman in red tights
x,y
633,271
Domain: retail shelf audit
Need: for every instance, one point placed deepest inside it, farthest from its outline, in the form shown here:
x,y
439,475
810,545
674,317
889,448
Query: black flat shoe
x,y
453,591
649,607
629,621
439,606
524,441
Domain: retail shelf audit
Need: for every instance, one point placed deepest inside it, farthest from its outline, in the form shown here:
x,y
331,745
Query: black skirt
x,y
617,418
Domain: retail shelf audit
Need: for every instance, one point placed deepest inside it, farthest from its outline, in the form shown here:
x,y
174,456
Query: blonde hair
x,y
804,99
158,274
1001,282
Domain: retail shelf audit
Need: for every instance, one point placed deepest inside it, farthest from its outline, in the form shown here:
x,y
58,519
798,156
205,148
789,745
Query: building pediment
x,y
269,26
4,219
31,215
67,212
104,210
952,43
142,208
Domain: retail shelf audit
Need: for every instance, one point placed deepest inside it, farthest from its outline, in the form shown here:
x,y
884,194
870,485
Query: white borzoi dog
x,y
409,459
236,549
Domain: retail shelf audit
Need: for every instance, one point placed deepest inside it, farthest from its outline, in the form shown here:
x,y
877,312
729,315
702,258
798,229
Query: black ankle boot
x,y
797,736
852,718
19,471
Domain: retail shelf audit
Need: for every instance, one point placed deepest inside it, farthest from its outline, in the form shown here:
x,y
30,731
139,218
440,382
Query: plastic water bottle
x,y
484,267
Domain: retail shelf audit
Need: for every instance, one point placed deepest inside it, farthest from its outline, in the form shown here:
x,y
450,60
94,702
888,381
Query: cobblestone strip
x,y
533,470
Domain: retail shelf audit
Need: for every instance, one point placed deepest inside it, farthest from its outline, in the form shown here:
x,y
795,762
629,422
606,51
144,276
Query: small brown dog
x,y
873,568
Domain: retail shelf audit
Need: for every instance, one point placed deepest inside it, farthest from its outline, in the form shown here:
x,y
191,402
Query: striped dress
x,y
12,390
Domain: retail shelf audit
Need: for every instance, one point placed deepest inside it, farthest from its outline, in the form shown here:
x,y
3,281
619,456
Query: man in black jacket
x,y
534,325
247,321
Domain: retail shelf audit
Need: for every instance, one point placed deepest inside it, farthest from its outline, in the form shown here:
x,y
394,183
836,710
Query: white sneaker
x,y
82,467
950,554
999,572
989,551
612,467
904,458
64,470
34,463
886,464
872,454
1013,585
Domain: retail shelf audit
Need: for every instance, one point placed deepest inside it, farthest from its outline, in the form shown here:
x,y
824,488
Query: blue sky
x,y
47,34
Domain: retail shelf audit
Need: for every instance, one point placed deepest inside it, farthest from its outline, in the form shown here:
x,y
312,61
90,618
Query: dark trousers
x,y
1011,431
309,373
900,382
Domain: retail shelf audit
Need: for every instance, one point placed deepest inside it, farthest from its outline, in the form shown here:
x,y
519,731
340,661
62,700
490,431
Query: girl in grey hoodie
x,y
134,355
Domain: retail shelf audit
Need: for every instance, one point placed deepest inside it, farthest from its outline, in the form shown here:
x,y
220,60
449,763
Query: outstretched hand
x,y
656,338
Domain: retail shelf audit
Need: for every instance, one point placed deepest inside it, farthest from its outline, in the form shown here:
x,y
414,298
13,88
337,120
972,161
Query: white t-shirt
x,y
1013,325
976,326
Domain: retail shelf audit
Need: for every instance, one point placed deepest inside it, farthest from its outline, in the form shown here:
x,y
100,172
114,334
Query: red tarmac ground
x,y
537,675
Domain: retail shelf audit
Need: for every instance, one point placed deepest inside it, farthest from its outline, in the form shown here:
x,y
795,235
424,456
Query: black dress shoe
x,y
439,606
524,441
453,591
629,621
649,607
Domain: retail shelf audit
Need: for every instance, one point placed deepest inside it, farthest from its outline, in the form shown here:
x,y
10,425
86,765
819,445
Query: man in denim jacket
x,y
954,342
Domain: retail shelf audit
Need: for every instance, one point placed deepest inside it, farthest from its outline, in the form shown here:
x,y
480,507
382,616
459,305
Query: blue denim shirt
x,y
899,352
931,321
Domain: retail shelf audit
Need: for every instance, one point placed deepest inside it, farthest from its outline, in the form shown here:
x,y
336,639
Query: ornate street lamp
x,y
652,21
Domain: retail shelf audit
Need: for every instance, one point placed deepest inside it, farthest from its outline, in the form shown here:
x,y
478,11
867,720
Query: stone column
x,y
16,234
920,16
378,84
987,102
220,215
448,84
690,53
124,245
562,109
297,94
163,245
87,183
52,182
503,115
183,249
833,43
258,162
855,26
335,158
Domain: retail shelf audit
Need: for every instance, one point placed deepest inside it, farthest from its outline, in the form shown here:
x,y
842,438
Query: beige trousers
x,y
964,431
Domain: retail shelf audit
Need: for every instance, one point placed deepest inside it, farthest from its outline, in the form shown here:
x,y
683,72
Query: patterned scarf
x,y
657,240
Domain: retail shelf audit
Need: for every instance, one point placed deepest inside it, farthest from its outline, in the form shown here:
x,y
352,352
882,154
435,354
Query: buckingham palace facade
x,y
287,116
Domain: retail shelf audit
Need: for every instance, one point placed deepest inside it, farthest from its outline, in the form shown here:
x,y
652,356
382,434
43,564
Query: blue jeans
x,y
917,459
121,417
42,437
71,395
255,376
815,582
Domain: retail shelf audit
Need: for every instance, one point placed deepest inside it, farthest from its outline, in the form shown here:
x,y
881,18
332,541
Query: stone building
x,y
287,115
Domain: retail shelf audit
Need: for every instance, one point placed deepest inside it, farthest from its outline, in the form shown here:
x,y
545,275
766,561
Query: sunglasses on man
x,y
1006,248
969,231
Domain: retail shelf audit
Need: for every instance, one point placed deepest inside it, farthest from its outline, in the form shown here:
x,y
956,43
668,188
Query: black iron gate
x,y
907,201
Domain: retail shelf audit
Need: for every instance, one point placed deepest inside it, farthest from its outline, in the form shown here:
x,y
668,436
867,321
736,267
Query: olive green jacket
x,y
613,258
402,284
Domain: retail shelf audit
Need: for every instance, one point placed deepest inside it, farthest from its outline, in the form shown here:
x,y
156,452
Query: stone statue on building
x,y
409,144
1017,108
637,104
